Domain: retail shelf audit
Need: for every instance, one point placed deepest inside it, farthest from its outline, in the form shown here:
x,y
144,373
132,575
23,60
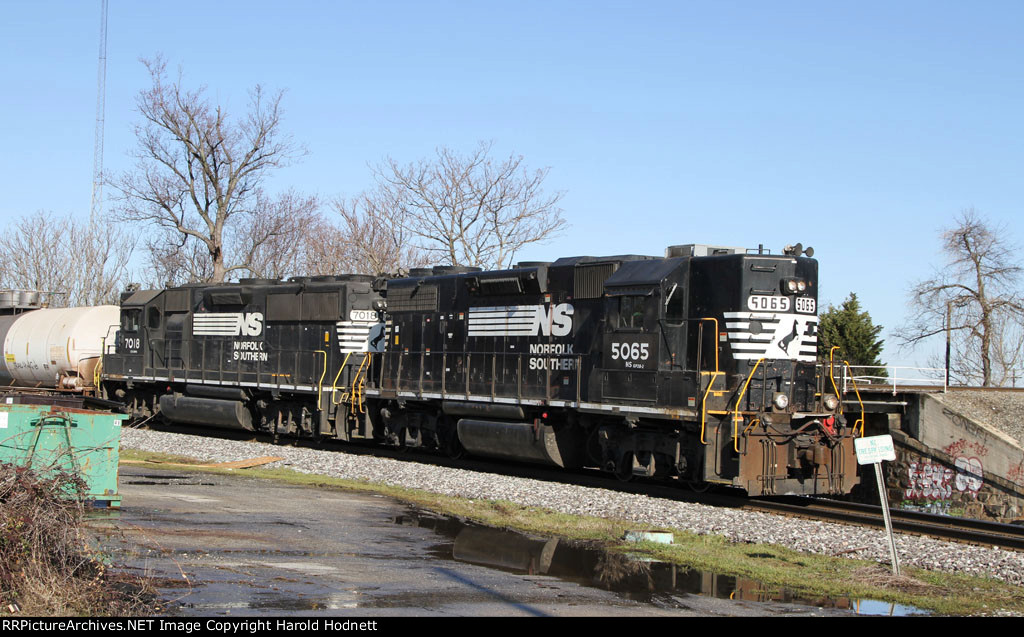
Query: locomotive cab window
x,y
675,313
130,320
153,318
631,311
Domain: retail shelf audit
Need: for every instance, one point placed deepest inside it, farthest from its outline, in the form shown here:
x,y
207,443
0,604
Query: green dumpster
x,y
51,438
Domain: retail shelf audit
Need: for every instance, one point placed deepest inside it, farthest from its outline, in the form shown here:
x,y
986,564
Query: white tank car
x,y
57,347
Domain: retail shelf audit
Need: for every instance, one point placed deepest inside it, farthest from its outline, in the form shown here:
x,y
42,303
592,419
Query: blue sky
x,y
859,128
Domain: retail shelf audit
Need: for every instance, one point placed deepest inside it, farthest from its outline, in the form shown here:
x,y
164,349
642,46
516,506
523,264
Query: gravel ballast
x,y
803,535
999,409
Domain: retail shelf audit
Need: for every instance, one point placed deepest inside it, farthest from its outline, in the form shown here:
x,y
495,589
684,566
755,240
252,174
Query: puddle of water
x,y
640,579
875,607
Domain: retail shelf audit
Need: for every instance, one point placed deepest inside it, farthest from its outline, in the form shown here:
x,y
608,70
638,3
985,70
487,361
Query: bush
x,y
46,566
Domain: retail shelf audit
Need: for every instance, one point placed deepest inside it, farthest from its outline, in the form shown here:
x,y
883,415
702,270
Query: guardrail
x,y
890,377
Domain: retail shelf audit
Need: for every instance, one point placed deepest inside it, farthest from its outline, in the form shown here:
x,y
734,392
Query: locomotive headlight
x,y
780,400
831,402
793,286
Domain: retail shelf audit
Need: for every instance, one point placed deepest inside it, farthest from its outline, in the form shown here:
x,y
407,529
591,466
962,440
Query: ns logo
x,y
227,324
521,320
251,324
554,321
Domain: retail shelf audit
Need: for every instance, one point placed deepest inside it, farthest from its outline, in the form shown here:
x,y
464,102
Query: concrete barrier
x,y
948,462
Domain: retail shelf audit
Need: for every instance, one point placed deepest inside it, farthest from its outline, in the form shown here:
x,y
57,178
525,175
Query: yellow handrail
x,y
704,405
736,410
831,375
320,384
856,391
357,385
714,377
334,385
98,370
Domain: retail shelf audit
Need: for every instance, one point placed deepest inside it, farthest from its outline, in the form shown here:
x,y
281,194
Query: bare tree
x,y
174,259
1008,352
326,250
275,244
78,263
469,209
374,238
198,178
975,299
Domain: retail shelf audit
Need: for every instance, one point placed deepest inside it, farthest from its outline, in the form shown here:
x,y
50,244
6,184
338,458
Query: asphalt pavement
x,y
232,545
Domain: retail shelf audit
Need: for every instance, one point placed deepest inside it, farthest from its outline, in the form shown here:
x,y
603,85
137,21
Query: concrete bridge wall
x,y
949,462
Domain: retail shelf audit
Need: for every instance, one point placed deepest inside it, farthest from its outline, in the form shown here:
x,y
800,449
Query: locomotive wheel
x,y
624,470
453,447
698,486
593,447
448,435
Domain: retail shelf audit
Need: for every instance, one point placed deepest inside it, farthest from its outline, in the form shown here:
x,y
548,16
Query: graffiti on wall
x,y
929,481
1016,473
969,475
965,448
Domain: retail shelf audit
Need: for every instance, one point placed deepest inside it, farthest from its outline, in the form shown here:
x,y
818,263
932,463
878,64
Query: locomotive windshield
x,y
130,320
631,311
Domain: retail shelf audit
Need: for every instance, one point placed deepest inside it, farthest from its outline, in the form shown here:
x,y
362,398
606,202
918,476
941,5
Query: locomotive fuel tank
x,y
54,347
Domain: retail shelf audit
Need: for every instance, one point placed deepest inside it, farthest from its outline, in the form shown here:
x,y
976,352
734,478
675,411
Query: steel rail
x,y
969,530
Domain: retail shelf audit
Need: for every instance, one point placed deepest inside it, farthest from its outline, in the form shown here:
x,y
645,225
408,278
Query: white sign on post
x,y
874,449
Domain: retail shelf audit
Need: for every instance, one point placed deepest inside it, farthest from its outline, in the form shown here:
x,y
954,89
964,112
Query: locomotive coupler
x,y
814,454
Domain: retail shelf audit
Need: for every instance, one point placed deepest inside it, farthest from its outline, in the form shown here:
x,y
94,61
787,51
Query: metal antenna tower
x,y
101,90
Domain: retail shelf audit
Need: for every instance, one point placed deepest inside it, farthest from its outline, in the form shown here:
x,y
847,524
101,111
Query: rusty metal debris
x,y
236,464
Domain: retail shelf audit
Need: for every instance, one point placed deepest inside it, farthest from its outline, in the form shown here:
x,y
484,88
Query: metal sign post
x,y
873,450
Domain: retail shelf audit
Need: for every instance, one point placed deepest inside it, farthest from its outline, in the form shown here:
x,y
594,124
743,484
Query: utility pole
x,y
101,90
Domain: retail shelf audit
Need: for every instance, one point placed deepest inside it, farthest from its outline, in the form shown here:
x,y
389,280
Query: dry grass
x,y
879,576
46,565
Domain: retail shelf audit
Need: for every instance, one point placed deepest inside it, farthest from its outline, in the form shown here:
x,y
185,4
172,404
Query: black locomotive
x,y
260,355
699,366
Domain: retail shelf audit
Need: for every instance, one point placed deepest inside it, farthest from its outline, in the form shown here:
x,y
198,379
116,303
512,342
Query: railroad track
x,y
968,530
